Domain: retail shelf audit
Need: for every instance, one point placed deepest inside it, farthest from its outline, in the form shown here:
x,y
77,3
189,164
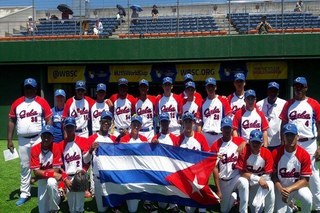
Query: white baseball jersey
x,y
304,114
96,110
227,157
169,139
47,159
213,110
30,114
171,105
80,110
289,167
128,139
146,110
260,164
123,108
193,107
236,102
272,113
72,153
245,121
195,142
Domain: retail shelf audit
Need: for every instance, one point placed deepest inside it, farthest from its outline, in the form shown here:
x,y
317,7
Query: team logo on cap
x,y
80,83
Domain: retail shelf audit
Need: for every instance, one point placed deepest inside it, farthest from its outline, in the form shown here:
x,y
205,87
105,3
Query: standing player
x,y
226,177
292,172
249,118
28,114
102,136
99,106
304,112
272,106
170,103
187,78
145,108
79,107
123,104
256,165
236,99
46,163
73,147
214,109
57,111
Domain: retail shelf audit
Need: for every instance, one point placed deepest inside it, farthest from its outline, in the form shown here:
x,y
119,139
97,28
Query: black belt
x,y
81,130
118,128
213,133
226,179
146,130
32,136
305,139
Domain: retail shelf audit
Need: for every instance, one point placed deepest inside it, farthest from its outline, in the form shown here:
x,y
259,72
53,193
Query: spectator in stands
x,y
298,6
54,17
154,13
121,13
98,27
263,27
134,17
85,27
31,26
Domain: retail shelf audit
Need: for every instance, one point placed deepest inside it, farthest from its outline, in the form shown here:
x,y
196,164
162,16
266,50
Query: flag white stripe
x,y
123,189
131,162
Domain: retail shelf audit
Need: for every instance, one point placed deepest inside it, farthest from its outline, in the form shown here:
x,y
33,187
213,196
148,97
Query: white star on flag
x,y
196,187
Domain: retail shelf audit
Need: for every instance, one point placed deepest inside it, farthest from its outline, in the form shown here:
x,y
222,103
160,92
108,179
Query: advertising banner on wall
x,y
267,70
133,73
65,74
199,71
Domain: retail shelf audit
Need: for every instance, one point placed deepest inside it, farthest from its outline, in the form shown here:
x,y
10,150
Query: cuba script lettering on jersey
x,y
25,114
96,113
235,109
284,173
71,158
295,115
232,158
120,111
141,111
209,112
251,169
168,109
246,124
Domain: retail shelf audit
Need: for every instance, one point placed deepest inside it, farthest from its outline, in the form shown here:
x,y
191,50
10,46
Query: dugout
x,y
299,53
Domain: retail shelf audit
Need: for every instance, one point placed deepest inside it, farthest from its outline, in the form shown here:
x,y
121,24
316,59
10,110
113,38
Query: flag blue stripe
x,y
134,176
152,149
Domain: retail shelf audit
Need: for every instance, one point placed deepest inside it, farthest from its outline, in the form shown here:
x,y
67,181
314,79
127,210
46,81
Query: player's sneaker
x,y
21,201
174,210
150,207
62,194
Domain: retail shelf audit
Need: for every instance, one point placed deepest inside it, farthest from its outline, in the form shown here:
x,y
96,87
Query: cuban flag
x,y
155,172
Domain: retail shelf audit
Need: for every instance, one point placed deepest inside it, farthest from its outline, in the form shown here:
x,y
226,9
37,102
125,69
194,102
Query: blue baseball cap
x,y
144,81
81,85
59,92
47,129
190,84
123,81
136,117
106,114
70,121
101,87
210,81
273,85
188,77
239,77
30,82
256,135
250,92
188,115
290,128
167,80
164,116
300,80
226,122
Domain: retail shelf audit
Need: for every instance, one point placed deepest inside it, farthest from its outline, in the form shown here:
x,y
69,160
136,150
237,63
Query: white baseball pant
x,y
25,145
132,205
303,195
239,184
211,138
48,195
75,200
264,196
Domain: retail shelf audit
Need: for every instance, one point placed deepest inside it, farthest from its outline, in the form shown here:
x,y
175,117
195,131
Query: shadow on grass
x,y
15,195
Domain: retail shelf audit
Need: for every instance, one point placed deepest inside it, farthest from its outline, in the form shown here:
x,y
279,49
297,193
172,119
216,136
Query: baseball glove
x,y
80,182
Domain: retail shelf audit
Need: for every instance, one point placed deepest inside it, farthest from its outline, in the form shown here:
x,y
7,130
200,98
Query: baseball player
x,y
46,162
123,107
79,107
102,136
27,113
291,173
192,104
170,103
250,118
304,112
214,108
236,99
226,177
272,106
134,137
187,78
57,111
99,106
145,107
73,147
256,165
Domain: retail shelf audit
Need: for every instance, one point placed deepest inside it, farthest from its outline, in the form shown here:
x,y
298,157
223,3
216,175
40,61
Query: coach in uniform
x,y
28,114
